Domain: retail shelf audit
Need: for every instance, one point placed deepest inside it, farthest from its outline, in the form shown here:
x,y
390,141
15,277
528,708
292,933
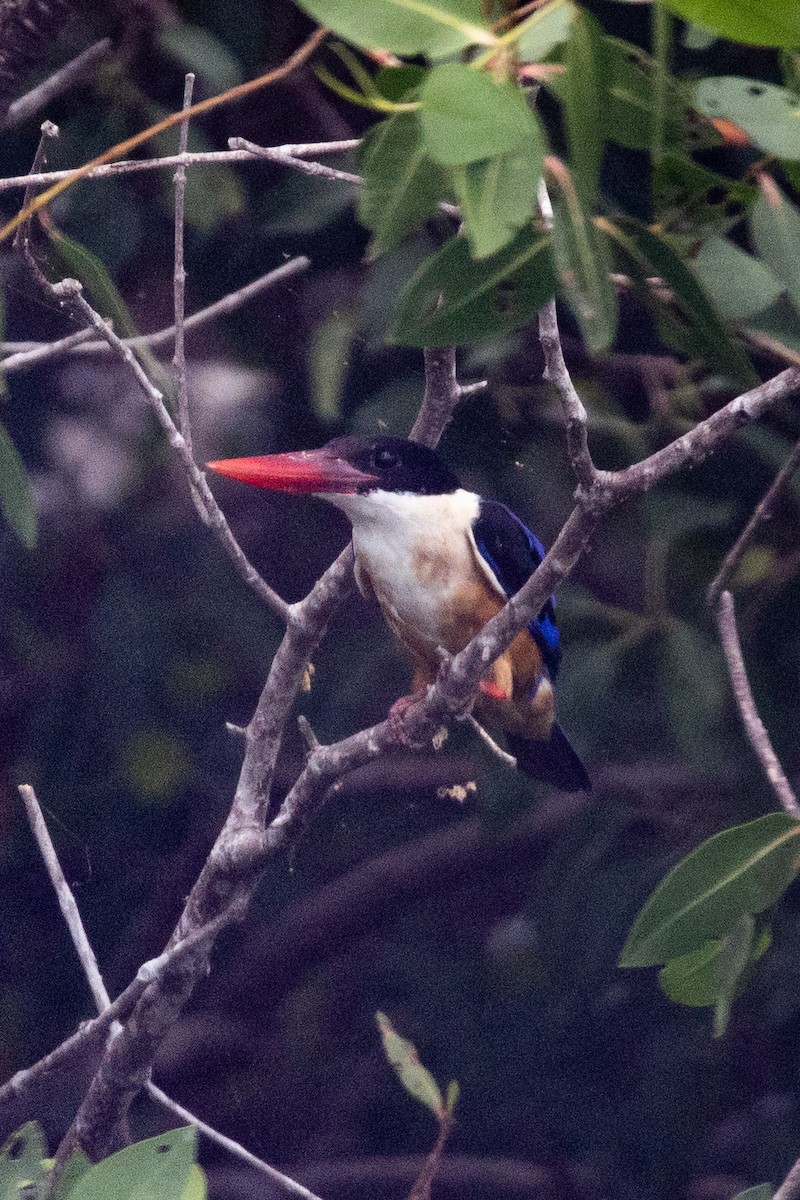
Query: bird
x,y
440,561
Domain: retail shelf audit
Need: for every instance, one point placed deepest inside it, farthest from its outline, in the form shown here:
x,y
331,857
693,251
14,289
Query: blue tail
x,y
553,761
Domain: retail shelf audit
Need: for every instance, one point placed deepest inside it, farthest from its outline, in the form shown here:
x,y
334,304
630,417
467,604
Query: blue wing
x,y
514,553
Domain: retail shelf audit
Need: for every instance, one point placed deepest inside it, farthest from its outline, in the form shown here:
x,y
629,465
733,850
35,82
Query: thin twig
x,y
556,372
179,278
489,741
70,293
55,85
761,514
34,353
290,1186
128,166
754,727
279,155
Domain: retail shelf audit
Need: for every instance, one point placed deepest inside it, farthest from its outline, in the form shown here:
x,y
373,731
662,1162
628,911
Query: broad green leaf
x,y
196,1188
545,29
497,196
627,109
695,979
77,1166
585,268
455,300
768,23
404,1059
739,284
398,83
761,1191
738,872
775,226
21,1162
691,322
734,959
157,1169
435,28
697,37
585,87
467,115
769,115
16,498
402,186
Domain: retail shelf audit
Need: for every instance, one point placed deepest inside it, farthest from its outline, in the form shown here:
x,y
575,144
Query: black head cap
x,y
400,465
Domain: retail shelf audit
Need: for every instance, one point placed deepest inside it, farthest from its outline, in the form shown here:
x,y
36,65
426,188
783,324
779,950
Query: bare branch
x,y
790,1188
556,372
762,513
287,1185
754,727
55,85
30,354
179,278
278,154
70,293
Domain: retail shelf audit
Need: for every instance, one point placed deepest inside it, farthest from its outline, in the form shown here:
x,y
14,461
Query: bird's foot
x,y
396,717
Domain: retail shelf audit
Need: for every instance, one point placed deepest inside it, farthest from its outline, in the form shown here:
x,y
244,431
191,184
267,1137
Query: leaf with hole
x,y
736,873
455,300
467,115
22,1162
435,28
769,115
159,1168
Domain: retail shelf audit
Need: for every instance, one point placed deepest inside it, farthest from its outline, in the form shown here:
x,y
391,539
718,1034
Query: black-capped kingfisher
x,y
441,562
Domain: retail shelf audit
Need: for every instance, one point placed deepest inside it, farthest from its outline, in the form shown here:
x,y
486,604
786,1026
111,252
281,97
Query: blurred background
x,y
488,929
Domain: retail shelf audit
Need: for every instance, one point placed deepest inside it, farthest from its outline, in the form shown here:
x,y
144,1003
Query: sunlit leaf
x,y
402,185
432,27
455,300
738,872
739,284
157,1169
196,1188
467,115
16,498
767,113
404,1059
768,23
497,196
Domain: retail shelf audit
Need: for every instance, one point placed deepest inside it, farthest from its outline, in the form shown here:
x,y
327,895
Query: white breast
x,y
414,552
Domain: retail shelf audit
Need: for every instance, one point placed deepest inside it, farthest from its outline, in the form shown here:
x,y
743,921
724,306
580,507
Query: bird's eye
x,y
386,459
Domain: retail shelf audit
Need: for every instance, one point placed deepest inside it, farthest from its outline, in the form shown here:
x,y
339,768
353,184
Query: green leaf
x,y
402,186
404,1059
737,872
452,1097
761,1191
21,1162
585,268
627,110
157,1169
775,226
545,29
398,83
436,28
454,300
329,361
497,195
697,37
734,960
692,199
695,328
767,113
16,498
585,86
768,23
467,115
77,1166
739,284
696,979
196,1188
196,49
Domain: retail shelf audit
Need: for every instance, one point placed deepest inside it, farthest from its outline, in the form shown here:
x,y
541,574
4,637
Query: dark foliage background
x,y
126,643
